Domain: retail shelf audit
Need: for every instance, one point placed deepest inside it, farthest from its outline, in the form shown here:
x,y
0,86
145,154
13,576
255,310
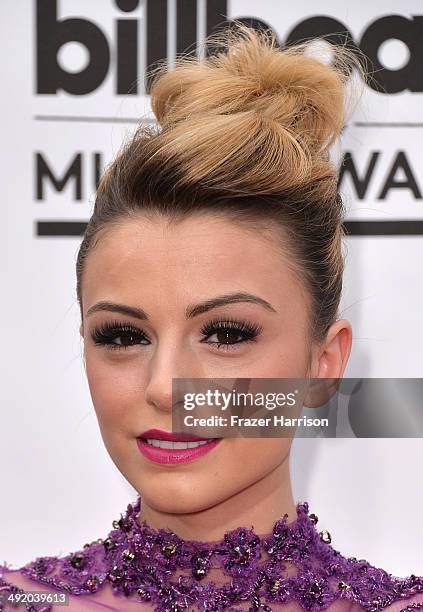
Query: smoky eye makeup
x,y
223,333
230,332
105,334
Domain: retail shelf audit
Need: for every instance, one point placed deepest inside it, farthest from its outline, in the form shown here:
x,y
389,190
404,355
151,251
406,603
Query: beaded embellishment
x,y
294,563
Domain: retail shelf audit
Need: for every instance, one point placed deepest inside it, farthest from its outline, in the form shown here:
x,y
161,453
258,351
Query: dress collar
x,y
293,563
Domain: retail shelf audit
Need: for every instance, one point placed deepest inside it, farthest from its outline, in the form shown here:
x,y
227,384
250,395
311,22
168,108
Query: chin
x,y
177,496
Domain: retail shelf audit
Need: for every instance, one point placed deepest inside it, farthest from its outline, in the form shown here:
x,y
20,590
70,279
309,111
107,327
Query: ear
x,y
331,355
329,361
81,330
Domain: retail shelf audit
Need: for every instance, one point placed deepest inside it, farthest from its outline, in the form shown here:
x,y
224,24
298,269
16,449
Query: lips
x,y
173,447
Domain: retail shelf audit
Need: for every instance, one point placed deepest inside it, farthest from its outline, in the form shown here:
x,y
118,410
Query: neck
x,y
256,507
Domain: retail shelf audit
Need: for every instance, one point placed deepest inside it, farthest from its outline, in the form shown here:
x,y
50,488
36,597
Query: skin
x,y
163,268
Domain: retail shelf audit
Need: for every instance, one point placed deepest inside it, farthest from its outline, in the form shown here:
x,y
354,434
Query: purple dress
x,y
136,567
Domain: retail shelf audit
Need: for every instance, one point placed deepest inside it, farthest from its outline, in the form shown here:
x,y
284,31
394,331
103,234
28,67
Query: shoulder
x,y
85,576
331,577
370,587
325,576
41,596
15,582
407,605
79,579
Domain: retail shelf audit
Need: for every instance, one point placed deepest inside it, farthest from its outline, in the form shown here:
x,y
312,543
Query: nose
x,y
168,362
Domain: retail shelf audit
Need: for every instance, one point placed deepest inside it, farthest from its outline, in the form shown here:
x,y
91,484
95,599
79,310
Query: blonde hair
x,y
243,133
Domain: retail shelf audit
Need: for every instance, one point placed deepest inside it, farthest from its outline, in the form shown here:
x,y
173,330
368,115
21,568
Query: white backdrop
x,y
59,487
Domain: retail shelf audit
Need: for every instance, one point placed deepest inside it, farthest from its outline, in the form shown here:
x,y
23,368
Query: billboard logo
x,y
53,33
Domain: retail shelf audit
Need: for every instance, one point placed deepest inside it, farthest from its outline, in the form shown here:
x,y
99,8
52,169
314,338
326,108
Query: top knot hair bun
x,y
244,133
281,107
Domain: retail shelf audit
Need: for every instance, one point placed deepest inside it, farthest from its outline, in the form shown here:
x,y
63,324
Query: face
x,y
164,270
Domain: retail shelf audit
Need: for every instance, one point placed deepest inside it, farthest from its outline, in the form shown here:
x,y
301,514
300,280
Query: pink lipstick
x,y
173,447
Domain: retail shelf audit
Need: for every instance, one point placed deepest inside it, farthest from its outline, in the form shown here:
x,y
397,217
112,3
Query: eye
x,y
230,332
126,335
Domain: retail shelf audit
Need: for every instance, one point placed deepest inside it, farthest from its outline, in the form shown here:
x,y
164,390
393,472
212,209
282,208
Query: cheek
x,y
287,354
295,359
114,388
286,360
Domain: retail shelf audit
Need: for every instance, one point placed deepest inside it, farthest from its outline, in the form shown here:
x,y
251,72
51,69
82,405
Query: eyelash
x,y
105,333
247,329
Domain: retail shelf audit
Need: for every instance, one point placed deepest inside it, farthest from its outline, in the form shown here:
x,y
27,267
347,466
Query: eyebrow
x,y
190,312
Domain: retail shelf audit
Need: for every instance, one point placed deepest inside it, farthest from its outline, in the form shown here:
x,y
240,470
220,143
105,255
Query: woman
x,y
214,251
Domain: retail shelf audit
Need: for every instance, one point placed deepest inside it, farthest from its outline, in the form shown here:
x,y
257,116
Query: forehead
x,y
198,257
